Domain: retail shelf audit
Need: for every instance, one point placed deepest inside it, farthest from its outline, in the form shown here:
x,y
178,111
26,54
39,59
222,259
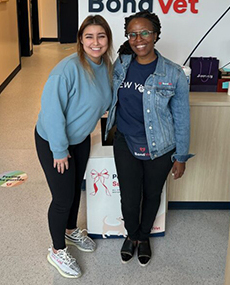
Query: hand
x,y
62,164
178,169
105,115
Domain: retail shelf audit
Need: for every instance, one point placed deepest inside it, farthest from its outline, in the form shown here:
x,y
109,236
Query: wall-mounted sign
x,y
187,26
113,6
12,178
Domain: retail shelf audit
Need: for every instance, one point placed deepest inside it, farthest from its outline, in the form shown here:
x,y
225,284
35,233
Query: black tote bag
x,y
204,74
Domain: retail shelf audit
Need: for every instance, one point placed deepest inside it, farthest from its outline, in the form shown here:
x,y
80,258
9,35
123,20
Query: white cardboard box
x,y
104,217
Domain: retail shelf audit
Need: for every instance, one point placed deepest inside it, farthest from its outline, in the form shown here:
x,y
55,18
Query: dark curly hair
x,y
152,17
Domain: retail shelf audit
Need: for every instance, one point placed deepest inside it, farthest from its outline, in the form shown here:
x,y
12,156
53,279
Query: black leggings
x,y
65,188
141,183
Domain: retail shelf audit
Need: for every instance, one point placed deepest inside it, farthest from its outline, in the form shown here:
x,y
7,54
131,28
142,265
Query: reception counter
x,y
207,174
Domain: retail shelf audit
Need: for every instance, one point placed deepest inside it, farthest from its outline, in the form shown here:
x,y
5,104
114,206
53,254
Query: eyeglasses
x,y
143,34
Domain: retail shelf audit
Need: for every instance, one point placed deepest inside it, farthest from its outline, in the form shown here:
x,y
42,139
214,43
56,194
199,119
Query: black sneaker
x,y
144,252
127,250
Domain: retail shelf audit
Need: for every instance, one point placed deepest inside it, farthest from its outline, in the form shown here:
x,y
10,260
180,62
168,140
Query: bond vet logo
x,y
113,6
99,178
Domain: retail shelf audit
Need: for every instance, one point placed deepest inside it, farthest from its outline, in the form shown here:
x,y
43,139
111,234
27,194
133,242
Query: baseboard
x,y
99,236
28,54
49,40
10,77
199,205
36,42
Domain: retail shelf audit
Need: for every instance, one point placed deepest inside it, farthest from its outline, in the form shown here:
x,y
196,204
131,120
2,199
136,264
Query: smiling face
x,y
95,42
143,47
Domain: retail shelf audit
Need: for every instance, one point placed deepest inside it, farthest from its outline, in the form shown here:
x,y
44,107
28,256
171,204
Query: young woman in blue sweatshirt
x,y
76,95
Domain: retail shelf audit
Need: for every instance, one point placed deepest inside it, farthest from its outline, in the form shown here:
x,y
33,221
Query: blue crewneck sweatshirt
x,y
72,103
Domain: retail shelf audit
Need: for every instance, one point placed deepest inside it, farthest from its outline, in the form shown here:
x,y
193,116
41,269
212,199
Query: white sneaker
x,y
64,263
80,240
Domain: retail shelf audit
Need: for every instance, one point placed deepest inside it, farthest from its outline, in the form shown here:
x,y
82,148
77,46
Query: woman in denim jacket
x,y
151,106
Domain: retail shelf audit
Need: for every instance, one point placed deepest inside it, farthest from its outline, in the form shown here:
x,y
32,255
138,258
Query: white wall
x,y
180,31
9,42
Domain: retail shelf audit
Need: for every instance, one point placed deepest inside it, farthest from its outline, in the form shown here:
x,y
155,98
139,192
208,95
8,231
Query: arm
x,y
181,116
180,109
53,105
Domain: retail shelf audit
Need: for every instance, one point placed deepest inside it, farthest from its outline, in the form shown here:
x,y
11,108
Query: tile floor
x,y
193,251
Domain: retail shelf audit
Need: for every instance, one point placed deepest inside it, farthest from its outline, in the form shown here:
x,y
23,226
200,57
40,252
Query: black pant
x,y
65,188
141,183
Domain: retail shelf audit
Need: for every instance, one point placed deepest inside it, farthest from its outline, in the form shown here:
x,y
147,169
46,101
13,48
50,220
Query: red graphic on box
x,y
99,177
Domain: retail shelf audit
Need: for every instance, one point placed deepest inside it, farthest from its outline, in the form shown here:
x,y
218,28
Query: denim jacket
x,y
165,107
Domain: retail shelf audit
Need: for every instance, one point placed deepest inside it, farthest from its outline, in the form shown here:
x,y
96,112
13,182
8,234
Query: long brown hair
x,y
107,56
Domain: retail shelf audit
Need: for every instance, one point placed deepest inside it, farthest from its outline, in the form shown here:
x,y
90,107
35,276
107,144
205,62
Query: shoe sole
x,y
69,242
142,264
125,262
60,271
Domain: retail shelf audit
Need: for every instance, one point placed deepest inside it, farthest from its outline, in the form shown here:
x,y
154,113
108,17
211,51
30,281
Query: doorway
x,y
67,20
24,27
